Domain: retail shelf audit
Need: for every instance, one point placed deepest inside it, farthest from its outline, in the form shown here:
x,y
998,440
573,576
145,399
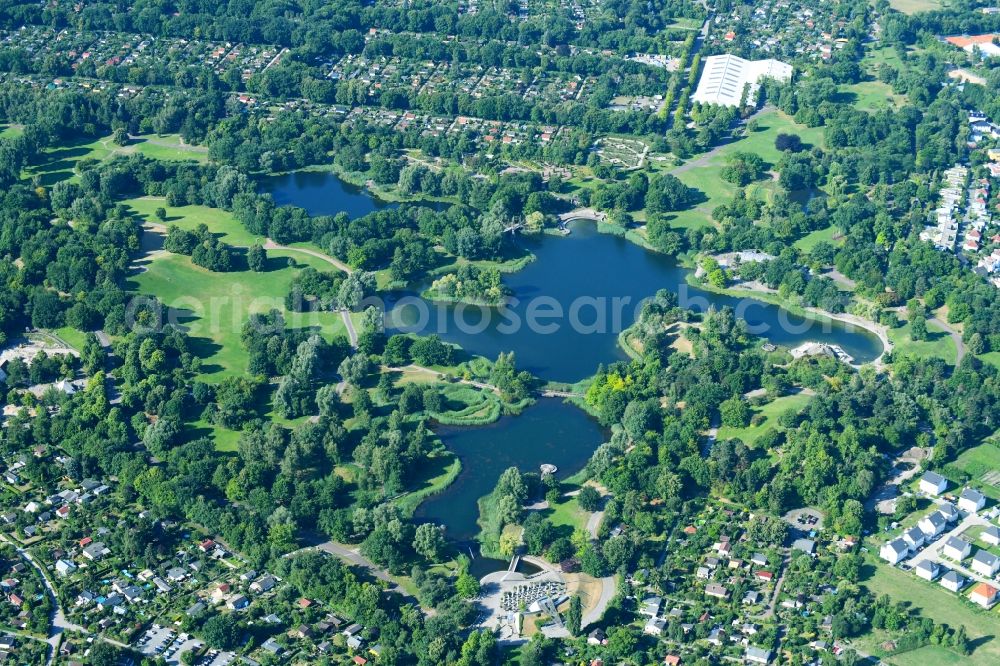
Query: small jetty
x,y
822,349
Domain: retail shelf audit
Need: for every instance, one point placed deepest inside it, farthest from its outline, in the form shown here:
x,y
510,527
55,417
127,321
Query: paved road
x,y
704,159
352,334
932,552
769,613
271,245
57,620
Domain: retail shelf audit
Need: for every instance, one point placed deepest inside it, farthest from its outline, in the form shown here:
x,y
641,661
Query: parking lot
x,y
155,640
164,642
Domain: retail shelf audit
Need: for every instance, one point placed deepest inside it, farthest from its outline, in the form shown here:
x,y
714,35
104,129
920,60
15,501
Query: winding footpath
x,y
337,263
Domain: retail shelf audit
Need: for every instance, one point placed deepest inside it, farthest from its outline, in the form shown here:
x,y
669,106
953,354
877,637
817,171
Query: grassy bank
x,y
441,472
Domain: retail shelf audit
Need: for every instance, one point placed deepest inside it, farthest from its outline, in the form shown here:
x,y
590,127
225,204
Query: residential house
x,y
971,501
985,563
805,545
914,537
65,567
756,655
651,606
263,584
949,512
952,581
894,551
991,535
655,626
932,524
956,549
272,646
927,570
984,594
238,602
717,591
933,483
759,559
95,551
597,637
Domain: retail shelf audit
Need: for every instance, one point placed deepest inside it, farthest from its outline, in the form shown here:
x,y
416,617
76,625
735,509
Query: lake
x,y
567,309
550,431
320,193
570,304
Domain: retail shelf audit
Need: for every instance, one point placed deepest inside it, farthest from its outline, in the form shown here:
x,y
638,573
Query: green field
x,y
218,221
915,6
750,434
168,147
702,172
810,240
937,345
60,163
979,462
942,606
872,96
993,358
214,306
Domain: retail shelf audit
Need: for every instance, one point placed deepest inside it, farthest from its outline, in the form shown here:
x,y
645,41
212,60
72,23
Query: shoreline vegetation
x,y
817,314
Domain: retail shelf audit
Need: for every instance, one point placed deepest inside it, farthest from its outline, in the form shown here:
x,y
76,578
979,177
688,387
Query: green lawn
x,y
915,6
439,472
980,461
937,345
219,222
706,178
168,147
872,96
60,163
750,434
942,606
993,358
73,337
10,131
810,240
568,514
214,306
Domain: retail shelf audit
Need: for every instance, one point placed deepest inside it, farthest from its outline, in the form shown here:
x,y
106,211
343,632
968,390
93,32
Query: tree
x,y
256,258
735,412
918,328
589,498
355,368
221,631
428,541
120,136
790,142
574,616
467,586
160,213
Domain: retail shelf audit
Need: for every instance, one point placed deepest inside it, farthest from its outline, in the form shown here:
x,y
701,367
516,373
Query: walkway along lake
x,y
587,274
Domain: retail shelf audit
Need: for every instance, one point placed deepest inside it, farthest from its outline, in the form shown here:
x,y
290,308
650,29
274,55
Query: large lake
x,y
569,306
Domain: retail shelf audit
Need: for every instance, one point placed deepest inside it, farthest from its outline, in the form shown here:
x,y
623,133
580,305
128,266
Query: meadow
x,y
703,172
942,606
771,411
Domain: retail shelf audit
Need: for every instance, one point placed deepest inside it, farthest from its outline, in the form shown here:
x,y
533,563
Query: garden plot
x,y
622,153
